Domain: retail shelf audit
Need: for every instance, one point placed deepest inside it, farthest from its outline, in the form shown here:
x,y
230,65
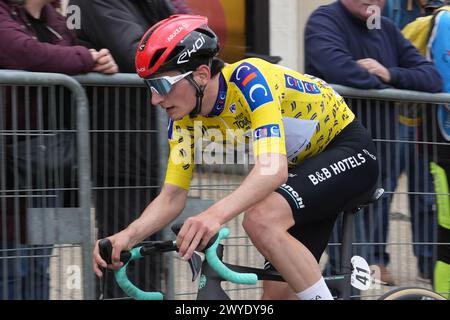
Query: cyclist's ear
x,y
202,74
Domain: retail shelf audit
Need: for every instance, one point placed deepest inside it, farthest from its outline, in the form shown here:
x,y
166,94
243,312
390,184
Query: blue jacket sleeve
x,y
326,54
414,71
440,48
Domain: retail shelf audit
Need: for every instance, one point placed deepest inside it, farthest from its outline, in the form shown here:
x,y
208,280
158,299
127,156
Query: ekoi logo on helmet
x,y
185,56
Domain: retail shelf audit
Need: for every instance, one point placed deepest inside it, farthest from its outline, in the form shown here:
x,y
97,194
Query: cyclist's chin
x,y
175,117
171,112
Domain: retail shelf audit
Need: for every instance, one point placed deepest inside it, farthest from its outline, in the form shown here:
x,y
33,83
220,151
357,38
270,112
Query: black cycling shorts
x,y
342,176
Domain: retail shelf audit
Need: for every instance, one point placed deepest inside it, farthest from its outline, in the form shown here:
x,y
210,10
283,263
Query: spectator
x,y
128,18
37,40
402,12
440,52
341,48
181,7
431,35
119,25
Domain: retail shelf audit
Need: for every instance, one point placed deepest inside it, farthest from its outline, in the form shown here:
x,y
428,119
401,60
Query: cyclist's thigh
x,y
315,235
273,211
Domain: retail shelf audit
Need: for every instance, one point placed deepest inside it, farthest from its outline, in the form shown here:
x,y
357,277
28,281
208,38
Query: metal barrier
x,y
119,130
44,188
127,143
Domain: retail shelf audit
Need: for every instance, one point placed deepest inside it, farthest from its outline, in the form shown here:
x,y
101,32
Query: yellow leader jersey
x,y
275,109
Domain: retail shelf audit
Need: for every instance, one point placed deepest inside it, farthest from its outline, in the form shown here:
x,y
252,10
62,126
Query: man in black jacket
x,y
119,25
124,162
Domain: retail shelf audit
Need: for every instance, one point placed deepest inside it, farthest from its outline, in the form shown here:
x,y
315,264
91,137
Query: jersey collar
x,y
219,105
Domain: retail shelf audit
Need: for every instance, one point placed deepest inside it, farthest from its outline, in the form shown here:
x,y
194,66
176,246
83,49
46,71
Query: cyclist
x,y
312,158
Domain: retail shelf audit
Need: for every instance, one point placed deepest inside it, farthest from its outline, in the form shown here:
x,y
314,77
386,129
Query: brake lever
x,y
105,248
195,262
177,227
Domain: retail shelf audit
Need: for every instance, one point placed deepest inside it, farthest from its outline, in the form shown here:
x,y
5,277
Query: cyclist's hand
x,y
119,242
195,234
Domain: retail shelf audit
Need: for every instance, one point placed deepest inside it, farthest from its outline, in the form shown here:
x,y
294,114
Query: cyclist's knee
x,y
262,226
268,221
255,221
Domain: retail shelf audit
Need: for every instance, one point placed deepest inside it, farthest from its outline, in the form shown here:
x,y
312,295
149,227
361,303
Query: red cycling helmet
x,y
180,42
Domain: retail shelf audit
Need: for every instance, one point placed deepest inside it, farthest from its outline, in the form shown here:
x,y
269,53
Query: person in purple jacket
x,y
34,37
38,40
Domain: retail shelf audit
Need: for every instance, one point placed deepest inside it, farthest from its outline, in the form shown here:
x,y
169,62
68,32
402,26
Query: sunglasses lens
x,y
159,86
163,85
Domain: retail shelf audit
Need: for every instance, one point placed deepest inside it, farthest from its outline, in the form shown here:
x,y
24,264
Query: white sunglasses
x,y
163,85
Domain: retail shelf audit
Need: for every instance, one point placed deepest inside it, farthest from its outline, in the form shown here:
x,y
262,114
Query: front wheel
x,y
411,293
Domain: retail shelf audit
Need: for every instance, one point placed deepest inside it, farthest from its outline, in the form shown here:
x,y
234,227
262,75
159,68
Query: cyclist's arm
x,y
268,138
270,171
159,213
166,206
260,96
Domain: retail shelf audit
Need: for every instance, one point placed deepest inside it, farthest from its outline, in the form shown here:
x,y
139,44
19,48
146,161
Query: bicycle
x,y
212,270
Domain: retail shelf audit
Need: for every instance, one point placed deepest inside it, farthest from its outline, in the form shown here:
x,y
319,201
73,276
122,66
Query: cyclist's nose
x,y
157,98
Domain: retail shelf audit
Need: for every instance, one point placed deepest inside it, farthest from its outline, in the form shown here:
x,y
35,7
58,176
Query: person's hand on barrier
x,y
196,233
104,62
119,242
375,68
94,54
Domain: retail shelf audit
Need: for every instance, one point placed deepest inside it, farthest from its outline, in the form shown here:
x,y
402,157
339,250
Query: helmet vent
x,y
206,32
149,33
175,52
156,56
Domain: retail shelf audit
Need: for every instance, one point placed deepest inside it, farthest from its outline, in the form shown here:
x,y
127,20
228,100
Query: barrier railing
x,y
129,148
33,122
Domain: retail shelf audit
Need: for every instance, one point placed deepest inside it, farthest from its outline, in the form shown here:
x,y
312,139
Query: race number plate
x,y
361,273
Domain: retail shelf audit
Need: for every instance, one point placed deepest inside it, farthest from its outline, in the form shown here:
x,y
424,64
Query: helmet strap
x,y
200,90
